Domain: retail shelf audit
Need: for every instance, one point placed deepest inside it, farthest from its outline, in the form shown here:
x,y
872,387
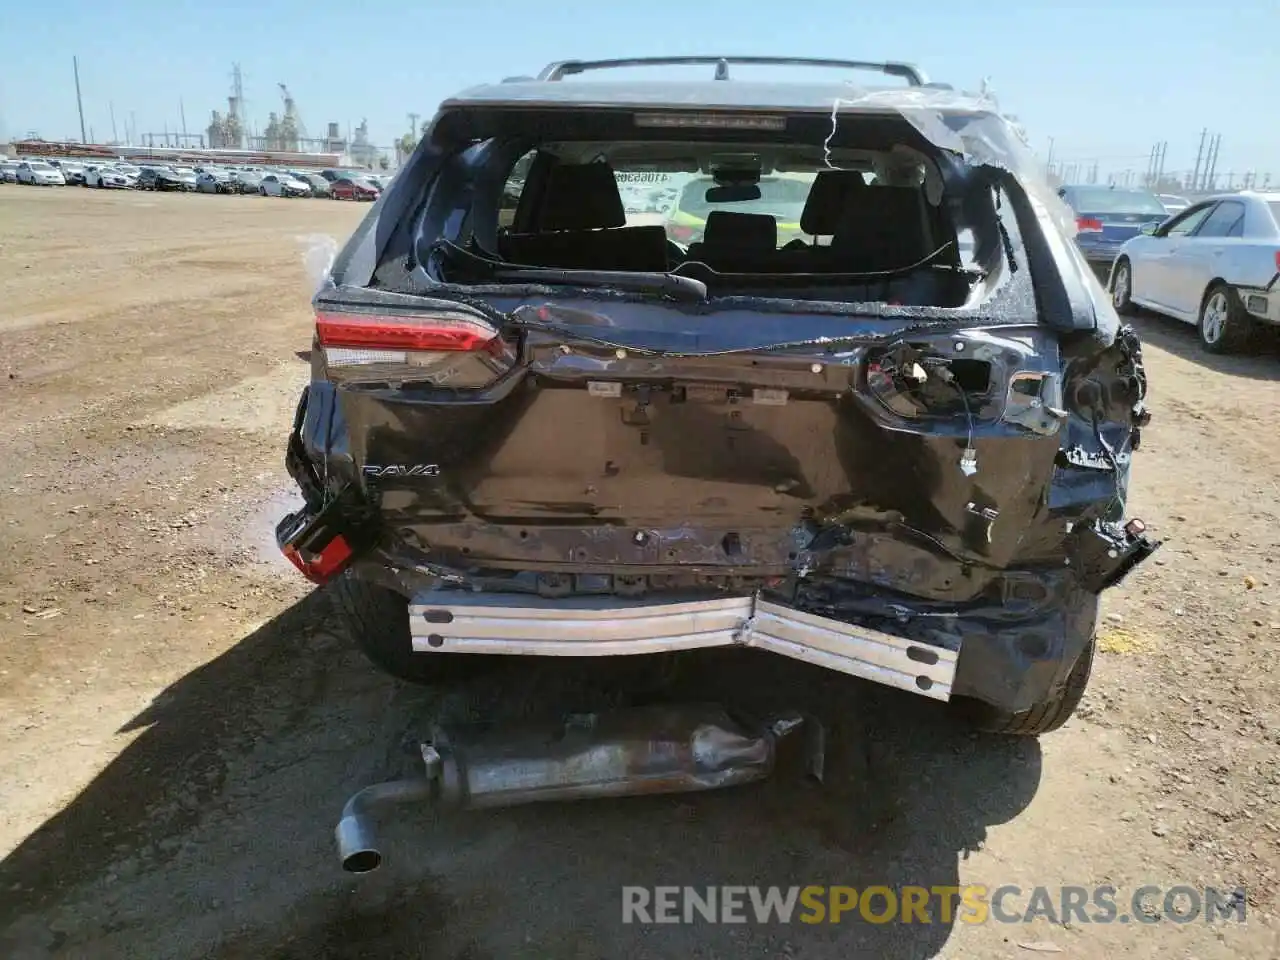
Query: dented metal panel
x,y
456,622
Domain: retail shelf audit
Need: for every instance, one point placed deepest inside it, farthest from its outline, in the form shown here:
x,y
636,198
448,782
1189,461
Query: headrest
x,y
581,197
884,228
740,232
827,199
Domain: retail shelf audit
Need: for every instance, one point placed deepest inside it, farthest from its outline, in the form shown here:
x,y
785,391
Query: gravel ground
x,y
179,722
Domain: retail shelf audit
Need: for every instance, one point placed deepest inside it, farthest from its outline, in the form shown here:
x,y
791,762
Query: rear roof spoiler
x,y
892,68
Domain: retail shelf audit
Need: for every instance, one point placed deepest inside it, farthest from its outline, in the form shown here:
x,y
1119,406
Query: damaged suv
x,y
534,428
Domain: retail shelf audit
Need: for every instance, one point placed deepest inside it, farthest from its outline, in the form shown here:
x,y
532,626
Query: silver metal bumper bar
x,y
453,621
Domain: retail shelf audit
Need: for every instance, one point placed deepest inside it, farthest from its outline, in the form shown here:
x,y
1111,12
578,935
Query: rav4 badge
x,y
402,470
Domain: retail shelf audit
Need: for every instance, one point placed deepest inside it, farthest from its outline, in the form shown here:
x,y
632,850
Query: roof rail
x,y
564,68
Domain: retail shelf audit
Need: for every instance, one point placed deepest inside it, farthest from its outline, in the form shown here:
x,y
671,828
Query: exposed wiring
x,y
1110,456
939,368
969,459
867,275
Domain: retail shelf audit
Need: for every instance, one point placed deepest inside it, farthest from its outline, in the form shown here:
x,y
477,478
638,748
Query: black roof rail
x,y
564,68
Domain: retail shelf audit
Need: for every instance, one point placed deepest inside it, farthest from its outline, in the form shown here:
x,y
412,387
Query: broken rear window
x,y
789,210
764,219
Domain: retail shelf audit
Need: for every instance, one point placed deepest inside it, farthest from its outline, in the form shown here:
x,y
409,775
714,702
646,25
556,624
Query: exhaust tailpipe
x,y
355,831
647,750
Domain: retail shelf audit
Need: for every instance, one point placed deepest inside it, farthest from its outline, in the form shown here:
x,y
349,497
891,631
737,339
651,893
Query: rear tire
x,y
1043,717
1122,288
377,618
1224,326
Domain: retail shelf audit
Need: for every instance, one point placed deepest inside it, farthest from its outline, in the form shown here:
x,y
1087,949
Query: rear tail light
x,y
323,566
1088,225
680,233
1278,261
445,349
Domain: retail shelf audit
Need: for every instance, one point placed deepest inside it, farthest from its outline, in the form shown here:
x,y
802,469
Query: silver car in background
x,y
109,177
37,173
1216,264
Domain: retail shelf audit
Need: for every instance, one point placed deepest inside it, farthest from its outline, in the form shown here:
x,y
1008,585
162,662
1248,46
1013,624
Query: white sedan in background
x,y
1216,264
37,173
106,176
283,185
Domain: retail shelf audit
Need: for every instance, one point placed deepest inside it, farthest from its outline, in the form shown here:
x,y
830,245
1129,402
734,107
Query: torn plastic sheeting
x,y
319,252
971,126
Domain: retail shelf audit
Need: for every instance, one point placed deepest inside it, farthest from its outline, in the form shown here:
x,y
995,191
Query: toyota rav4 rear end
x,y
878,418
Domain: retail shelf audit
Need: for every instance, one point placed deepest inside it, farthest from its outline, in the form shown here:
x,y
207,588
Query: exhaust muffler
x,y
647,750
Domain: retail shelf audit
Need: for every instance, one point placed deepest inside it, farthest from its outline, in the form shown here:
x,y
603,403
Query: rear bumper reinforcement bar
x,y
452,621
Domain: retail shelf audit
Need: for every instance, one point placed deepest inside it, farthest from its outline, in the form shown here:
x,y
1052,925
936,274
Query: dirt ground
x,y
180,722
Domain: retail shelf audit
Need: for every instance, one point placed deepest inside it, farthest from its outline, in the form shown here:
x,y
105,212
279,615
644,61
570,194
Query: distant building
x,y
360,150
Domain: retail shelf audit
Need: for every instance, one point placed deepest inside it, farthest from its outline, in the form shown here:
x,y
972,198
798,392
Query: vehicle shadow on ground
x,y
211,833
1262,362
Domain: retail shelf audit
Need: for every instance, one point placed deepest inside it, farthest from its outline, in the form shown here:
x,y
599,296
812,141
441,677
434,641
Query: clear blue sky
x,y
1105,79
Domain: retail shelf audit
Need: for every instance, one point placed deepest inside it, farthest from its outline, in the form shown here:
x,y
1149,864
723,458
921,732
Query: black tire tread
x,y
377,618
1127,309
1043,717
1240,328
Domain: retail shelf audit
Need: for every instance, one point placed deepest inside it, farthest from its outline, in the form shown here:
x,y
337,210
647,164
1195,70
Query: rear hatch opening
x,y
873,214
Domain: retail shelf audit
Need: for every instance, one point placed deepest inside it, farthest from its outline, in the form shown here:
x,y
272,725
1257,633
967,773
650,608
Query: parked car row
x,y
1214,262
334,183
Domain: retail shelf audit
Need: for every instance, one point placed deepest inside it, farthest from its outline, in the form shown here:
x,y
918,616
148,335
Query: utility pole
x,y
1195,177
413,126
1163,148
133,125
75,66
112,107
1049,159
182,112
1213,162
